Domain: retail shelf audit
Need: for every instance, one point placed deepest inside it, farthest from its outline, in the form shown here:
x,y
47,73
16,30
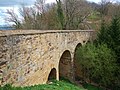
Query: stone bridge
x,y
30,57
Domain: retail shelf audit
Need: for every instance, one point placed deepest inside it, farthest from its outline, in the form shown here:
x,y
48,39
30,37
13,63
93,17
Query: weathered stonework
x,y
28,56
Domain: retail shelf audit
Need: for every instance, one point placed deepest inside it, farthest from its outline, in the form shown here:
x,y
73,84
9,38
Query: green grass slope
x,y
55,85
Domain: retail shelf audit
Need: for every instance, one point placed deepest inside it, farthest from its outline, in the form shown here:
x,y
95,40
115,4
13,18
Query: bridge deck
x,y
19,32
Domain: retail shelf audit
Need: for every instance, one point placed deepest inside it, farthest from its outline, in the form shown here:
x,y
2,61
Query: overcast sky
x,y
15,4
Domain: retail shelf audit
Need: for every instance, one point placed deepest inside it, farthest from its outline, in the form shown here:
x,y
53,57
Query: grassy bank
x,y
55,85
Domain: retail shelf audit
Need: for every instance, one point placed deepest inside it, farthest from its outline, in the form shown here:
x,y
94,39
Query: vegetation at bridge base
x,y
98,63
55,85
100,60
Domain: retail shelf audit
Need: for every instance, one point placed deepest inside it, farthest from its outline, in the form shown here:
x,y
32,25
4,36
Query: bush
x,y
98,63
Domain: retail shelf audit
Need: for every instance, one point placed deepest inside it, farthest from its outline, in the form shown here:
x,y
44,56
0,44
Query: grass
x,y
64,84
91,87
55,85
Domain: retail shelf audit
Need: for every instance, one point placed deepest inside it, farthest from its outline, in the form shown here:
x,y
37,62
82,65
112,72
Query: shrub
x,y
98,62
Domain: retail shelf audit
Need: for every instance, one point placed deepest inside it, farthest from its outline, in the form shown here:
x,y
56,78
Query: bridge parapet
x,y
29,32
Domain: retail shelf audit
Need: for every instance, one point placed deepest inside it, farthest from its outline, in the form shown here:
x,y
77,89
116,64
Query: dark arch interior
x,y
65,65
52,74
77,68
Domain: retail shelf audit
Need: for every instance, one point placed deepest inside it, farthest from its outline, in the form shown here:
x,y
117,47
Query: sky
x,y
15,4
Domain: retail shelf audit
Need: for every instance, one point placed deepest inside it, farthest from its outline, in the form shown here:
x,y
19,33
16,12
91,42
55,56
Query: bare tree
x,y
66,14
104,7
13,18
109,9
76,12
40,6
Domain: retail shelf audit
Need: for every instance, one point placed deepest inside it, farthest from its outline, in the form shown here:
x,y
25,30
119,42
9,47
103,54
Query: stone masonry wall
x,y
27,57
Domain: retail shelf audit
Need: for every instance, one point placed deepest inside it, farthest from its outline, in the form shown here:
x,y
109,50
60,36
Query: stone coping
x,y
30,32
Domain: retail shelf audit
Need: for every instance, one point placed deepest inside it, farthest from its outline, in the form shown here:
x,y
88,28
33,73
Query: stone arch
x,y
77,68
52,74
65,65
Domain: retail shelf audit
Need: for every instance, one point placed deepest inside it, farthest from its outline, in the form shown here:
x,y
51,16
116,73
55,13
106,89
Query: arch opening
x,y
65,65
52,74
78,74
